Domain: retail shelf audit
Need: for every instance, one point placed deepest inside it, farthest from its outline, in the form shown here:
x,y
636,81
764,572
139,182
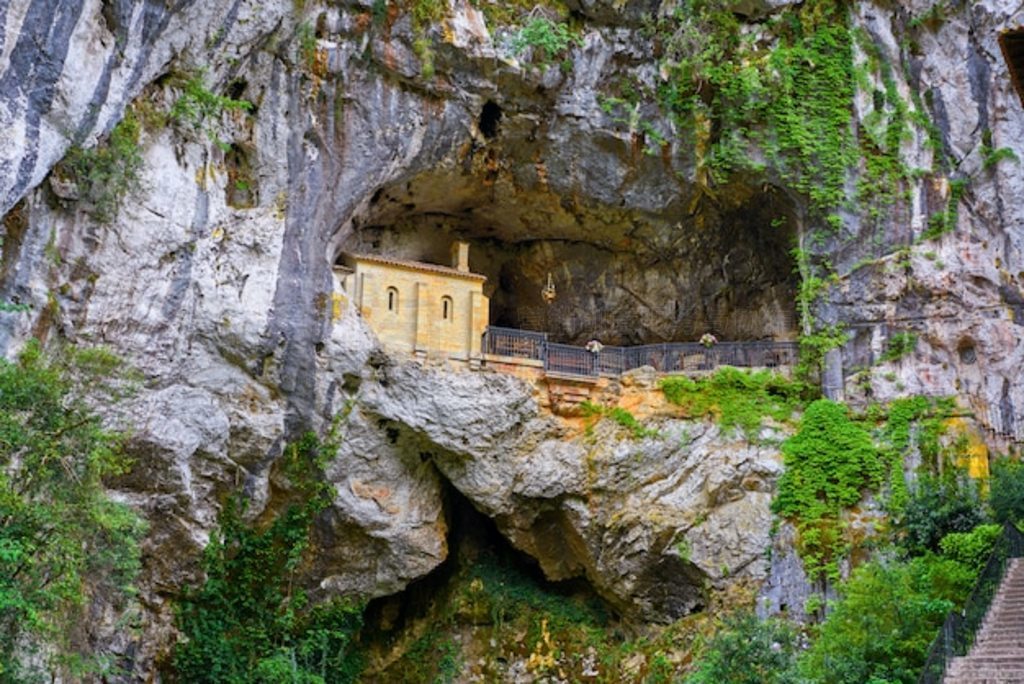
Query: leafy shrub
x,y
888,614
547,39
737,399
935,508
900,344
1006,493
971,549
829,463
198,105
747,650
60,535
107,173
248,622
620,416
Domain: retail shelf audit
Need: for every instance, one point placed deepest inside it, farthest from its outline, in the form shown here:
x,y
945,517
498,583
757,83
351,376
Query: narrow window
x,y
446,308
392,299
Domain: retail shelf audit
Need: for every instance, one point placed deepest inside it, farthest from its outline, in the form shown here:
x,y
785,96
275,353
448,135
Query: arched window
x,y
446,308
393,299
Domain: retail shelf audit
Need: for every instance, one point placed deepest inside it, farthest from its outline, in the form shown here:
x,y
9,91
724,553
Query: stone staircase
x,y
997,656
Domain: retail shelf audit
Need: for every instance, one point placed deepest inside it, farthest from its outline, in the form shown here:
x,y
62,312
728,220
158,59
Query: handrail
x,y
669,357
956,636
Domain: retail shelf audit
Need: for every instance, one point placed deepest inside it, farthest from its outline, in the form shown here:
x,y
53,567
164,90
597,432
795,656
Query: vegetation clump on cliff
x,y
249,621
737,399
61,537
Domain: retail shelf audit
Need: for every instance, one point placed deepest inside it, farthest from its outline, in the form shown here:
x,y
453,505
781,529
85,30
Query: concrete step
x,y
996,660
987,677
997,653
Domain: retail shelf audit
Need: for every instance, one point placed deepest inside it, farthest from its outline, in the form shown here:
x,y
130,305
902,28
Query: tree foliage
x,y
747,650
935,508
1006,497
888,614
249,621
60,535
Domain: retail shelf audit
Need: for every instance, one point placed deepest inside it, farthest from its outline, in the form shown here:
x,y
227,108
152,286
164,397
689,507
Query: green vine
x,y
829,463
945,221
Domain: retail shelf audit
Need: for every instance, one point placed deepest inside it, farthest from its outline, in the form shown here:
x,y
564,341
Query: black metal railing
x,y
565,359
521,344
956,636
671,357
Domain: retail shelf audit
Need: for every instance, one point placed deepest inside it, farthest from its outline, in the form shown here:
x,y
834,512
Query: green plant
x,y
735,398
109,172
438,659
306,37
945,221
991,157
882,626
933,18
379,11
249,619
747,650
899,345
1006,492
61,537
620,416
971,549
427,12
829,464
815,345
547,39
9,307
198,105
936,508
421,46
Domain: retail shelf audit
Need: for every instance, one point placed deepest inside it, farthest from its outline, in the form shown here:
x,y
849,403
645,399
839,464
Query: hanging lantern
x,y
548,293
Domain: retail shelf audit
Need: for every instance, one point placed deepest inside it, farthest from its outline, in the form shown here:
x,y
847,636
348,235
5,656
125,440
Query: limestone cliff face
x,y
360,138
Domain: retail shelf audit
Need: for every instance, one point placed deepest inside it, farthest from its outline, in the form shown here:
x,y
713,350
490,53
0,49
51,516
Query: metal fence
x,y
672,357
520,344
958,631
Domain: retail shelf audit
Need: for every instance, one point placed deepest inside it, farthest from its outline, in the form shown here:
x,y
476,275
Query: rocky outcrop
x,y
651,523
360,136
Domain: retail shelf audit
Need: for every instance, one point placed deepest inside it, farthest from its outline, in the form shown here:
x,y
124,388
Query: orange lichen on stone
x,y
974,457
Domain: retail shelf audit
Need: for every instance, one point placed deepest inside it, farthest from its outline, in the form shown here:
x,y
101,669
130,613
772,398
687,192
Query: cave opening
x,y
624,277
490,117
1011,42
481,565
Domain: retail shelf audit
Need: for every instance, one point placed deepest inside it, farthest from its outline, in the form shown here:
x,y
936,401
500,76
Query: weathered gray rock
x,y
756,9
647,522
228,310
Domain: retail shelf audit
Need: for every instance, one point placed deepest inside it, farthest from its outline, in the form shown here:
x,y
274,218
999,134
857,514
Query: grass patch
x,y
620,416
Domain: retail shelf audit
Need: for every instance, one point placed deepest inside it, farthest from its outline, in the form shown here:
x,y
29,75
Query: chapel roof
x,y
415,266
